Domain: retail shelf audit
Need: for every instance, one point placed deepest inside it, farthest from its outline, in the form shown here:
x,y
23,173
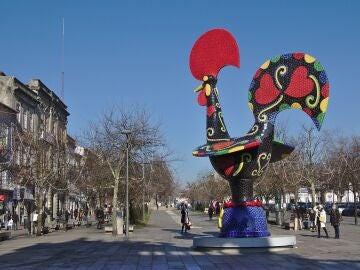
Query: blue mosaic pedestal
x,y
249,221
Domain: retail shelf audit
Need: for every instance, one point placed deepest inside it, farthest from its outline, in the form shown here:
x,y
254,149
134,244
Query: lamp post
x,y
127,133
143,195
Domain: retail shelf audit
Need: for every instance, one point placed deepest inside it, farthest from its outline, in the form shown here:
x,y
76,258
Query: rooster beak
x,y
197,89
201,86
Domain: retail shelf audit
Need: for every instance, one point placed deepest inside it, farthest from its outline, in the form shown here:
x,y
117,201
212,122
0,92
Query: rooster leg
x,y
241,190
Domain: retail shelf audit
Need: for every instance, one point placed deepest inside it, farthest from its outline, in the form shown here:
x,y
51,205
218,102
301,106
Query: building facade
x,y
7,126
38,114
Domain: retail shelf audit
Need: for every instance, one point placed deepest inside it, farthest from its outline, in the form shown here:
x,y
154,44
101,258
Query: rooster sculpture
x,y
294,80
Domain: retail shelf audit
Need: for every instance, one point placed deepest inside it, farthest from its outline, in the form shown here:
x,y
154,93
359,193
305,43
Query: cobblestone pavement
x,y
160,245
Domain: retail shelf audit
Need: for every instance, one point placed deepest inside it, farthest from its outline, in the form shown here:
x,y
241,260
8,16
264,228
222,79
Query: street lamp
x,y
127,133
143,195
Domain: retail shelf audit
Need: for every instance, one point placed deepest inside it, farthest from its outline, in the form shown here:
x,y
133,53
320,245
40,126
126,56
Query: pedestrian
x,y
312,220
335,219
10,223
16,220
217,208
67,217
35,221
58,219
81,215
184,218
6,220
45,229
210,211
100,217
321,220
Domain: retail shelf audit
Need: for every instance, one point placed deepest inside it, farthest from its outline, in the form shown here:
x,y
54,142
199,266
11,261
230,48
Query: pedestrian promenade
x,y
160,245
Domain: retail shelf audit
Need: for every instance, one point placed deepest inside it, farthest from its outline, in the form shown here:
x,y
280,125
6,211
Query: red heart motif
x,y
210,110
300,85
267,91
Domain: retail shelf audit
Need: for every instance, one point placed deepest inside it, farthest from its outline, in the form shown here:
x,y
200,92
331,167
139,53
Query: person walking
x,y
67,217
335,219
184,218
58,219
312,216
6,220
211,211
100,217
16,220
321,220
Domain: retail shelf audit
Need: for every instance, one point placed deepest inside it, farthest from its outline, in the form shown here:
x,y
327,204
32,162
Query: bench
x,y
108,228
5,235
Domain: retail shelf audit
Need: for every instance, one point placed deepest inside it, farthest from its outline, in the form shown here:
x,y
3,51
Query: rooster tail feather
x,y
289,81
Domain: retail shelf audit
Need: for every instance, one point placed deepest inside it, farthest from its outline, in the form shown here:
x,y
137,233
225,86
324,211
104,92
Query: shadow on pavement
x,y
188,234
105,254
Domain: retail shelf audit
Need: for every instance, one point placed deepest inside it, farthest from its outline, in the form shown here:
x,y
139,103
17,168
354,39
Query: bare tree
x,y
107,141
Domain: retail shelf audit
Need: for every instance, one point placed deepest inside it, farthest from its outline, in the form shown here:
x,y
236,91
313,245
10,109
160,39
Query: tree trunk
x,y
355,206
39,210
115,207
313,193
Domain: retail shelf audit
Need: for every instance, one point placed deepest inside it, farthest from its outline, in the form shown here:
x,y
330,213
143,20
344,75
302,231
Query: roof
x,y
39,85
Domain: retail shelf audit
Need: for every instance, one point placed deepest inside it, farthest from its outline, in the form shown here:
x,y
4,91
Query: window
x,y
18,109
25,120
31,121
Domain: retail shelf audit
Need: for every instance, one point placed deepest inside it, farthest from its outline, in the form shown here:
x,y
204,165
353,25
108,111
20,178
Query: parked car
x,y
328,207
341,207
303,207
290,206
350,210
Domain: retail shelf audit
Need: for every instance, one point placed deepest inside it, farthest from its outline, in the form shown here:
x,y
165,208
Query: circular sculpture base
x,y
253,242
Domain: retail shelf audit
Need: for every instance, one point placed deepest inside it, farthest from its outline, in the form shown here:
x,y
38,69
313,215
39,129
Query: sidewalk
x,y
160,245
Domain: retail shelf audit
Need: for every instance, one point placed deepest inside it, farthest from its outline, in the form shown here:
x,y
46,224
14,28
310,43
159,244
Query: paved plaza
x,y
160,245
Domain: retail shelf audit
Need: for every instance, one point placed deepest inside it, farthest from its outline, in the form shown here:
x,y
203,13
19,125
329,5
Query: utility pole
x,y
143,195
62,59
127,133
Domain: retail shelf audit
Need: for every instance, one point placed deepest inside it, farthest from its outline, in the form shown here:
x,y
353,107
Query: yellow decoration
x,y
207,89
197,89
195,153
265,65
296,105
323,104
220,218
205,78
235,149
309,59
251,106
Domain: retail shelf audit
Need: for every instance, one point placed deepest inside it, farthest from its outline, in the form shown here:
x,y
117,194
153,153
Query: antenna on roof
x,y
62,59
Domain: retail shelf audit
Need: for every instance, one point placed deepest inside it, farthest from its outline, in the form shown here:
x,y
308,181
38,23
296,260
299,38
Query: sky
x,y
130,53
